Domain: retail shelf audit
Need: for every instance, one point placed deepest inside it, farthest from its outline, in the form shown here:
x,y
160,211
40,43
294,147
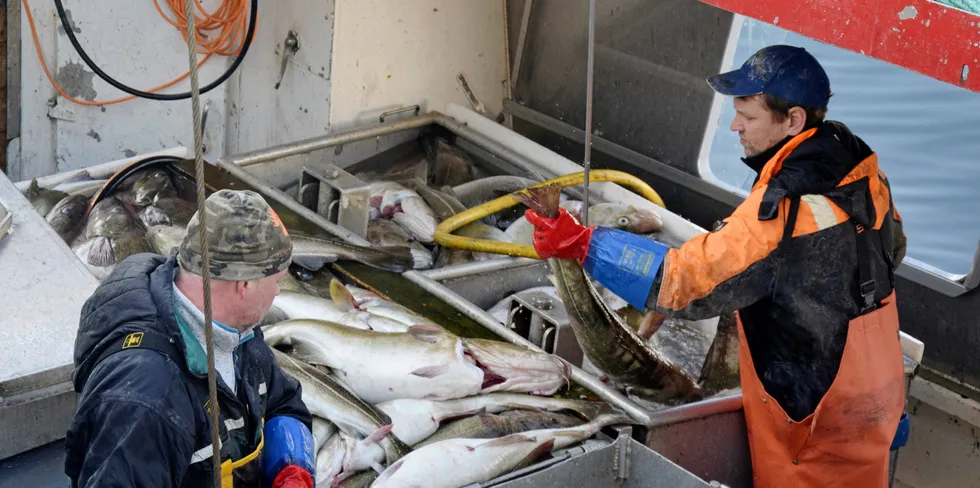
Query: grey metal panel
x,y
713,448
646,469
651,58
13,70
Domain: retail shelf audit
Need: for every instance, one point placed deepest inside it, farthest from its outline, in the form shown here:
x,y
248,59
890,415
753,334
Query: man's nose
x,y
736,125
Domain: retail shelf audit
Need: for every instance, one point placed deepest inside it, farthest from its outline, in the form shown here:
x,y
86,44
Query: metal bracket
x,y
204,124
415,108
338,196
621,460
542,319
6,219
289,48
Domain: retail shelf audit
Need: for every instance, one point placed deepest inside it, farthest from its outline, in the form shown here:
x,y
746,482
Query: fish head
x,y
508,367
153,216
640,221
68,213
165,238
153,184
109,218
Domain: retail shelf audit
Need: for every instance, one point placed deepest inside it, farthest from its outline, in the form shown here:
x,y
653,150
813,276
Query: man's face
x,y
756,127
255,297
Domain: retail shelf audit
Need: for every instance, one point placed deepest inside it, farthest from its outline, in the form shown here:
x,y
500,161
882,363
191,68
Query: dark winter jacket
x,y
142,418
787,260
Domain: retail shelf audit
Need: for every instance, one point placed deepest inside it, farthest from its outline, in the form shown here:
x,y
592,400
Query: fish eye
x,y
623,221
66,210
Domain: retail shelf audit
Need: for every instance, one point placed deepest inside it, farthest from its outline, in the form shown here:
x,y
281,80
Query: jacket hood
x,y
136,296
832,162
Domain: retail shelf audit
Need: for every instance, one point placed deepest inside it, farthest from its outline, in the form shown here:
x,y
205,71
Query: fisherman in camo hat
x,y
142,417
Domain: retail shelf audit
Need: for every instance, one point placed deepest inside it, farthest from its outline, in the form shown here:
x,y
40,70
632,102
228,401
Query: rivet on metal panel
x,y
763,399
966,73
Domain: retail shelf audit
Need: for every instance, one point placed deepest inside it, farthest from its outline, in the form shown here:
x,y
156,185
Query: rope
x,y
230,19
205,252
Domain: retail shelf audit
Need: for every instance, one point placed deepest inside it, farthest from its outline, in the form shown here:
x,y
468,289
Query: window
x,y
926,134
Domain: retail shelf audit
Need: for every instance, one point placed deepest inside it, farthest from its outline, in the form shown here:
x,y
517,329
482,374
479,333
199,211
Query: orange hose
x,y
230,19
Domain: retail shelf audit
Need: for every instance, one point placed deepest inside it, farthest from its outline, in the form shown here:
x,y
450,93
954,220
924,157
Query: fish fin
x,y
33,189
536,454
379,434
508,440
431,371
377,467
312,263
543,200
426,332
342,296
101,254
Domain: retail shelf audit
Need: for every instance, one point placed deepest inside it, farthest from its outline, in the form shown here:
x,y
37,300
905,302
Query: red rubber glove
x,y
562,237
293,476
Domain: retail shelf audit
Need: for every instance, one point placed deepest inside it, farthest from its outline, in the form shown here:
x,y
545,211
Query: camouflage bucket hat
x,y
246,239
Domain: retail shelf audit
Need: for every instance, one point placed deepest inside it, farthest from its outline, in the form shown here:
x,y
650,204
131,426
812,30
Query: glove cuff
x,y
625,263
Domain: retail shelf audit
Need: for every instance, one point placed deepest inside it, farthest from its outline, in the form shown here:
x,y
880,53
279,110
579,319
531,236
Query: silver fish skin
x,y
415,420
323,429
328,400
417,218
489,425
424,362
313,253
460,462
567,436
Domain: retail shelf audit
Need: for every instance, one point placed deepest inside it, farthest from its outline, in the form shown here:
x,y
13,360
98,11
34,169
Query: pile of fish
x,y
395,396
145,212
410,198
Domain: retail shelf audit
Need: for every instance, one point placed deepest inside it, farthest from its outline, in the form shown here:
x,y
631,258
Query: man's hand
x,y
562,237
293,477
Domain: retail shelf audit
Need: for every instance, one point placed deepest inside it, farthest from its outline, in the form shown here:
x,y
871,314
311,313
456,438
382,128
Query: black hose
x,y
156,96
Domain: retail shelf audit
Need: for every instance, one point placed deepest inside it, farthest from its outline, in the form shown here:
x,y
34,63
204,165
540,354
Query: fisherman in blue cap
x,y
807,261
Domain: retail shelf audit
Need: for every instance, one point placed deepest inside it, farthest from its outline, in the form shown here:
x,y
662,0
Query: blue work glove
x,y
288,446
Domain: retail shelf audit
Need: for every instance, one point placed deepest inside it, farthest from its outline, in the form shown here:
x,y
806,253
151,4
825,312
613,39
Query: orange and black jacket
x,y
788,260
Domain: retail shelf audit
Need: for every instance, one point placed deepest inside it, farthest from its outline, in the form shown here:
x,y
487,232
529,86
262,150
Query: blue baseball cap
x,y
786,72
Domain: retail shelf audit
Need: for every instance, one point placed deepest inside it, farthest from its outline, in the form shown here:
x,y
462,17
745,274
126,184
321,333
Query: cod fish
x,y
416,420
165,238
565,437
459,462
322,430
313,253
327,399
386,233
67,216
366,301
153,184
43,199
611,344
303,306
168,211
405,207
509,367
489,425
424,362
113,233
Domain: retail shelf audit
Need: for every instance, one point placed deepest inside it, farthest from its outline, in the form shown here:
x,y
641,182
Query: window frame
x,y
912,269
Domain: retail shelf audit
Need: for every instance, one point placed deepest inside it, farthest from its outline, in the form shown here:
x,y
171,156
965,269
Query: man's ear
x,y
241,288
797,121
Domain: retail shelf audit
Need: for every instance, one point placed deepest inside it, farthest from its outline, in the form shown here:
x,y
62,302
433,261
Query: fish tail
x,y
391,258
543,200
101,253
